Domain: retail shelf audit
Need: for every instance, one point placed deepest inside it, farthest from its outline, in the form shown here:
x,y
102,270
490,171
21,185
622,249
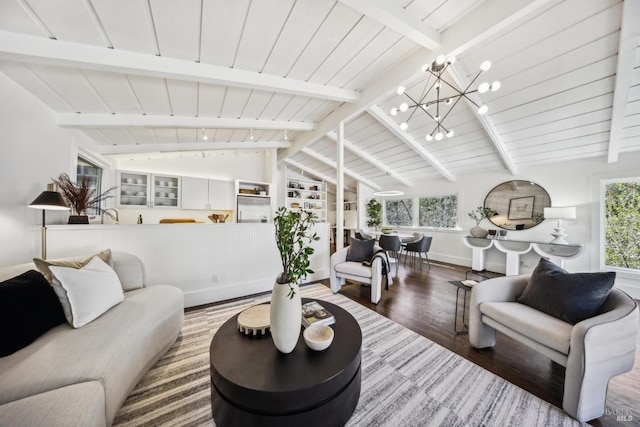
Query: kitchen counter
x,y
209,262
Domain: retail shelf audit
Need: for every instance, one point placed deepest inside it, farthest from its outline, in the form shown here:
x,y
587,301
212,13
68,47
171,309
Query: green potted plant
x,y
80,197
294,236
478,214
374,212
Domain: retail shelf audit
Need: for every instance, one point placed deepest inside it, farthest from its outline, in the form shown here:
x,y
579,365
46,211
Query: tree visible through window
x,y
399,212
622,224
439,212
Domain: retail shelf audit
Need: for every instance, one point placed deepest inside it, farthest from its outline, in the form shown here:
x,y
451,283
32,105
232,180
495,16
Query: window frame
x,y
415,203
620,271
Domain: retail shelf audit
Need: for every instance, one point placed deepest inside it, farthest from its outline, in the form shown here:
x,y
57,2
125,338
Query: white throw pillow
x,y
90,291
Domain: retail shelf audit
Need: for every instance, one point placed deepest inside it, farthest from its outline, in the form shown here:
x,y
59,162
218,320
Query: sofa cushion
x,y
43,265
74,405
28,308
88,292
572,297
534,324
360,250
354,269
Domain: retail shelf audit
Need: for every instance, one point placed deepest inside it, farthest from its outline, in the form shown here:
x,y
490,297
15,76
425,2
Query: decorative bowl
x,y
318,337
386,230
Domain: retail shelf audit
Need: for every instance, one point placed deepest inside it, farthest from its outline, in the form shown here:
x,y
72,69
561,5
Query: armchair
x,y
593,350
342,269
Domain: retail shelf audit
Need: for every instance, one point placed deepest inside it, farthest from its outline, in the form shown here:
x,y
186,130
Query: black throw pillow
x,y
29,307
360,250
572,297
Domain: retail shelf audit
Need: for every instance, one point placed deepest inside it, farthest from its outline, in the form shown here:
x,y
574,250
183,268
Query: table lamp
x,y
48,200
560,213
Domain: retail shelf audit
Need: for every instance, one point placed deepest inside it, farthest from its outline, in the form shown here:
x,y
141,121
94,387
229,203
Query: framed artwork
x,y
521,207
306,205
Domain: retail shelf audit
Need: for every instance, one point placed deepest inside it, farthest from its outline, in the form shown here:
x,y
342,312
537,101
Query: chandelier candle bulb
x,y
400,90
495,86
484,87
485,65
394,111
483,109
404,126
404,107
440,59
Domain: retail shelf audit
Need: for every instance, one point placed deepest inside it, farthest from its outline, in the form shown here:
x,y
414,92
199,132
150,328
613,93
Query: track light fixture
x,y
286,138
204,135
447,95
251,134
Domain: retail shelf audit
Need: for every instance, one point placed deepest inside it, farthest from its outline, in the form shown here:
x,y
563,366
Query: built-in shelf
x,y
304,194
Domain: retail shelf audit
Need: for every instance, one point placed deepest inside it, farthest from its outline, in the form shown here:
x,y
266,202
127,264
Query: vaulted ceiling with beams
x,y
154,77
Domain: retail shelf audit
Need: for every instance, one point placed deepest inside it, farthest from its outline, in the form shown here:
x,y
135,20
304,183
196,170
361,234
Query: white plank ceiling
x,y
142,77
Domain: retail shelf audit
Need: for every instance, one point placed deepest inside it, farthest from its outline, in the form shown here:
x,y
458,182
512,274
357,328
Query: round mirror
x,y
518,204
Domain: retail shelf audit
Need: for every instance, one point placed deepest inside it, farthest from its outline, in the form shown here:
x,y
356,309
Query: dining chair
x,y
361,235
420,247
391,243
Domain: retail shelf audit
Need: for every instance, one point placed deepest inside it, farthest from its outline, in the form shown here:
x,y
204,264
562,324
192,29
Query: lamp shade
x,y
50,200
560,212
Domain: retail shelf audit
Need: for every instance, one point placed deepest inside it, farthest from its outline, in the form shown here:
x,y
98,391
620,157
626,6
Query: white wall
x,y
33,149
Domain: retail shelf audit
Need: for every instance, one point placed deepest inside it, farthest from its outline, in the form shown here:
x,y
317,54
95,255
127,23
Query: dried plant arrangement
x,y
79,196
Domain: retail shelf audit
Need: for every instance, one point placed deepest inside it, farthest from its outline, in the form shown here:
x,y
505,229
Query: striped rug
x,y
407,380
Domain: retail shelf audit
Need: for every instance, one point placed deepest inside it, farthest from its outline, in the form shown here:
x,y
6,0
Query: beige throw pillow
x,y
88,292
43,265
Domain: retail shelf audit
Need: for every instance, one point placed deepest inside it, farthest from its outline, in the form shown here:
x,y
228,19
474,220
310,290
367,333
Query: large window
x,y
399,212
91,174
438,212
432,212
621,224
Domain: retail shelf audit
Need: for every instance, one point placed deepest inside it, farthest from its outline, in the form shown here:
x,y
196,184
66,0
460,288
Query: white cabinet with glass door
x,y
137,189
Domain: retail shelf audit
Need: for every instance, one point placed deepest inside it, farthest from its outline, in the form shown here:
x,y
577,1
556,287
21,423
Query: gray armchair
x,y
593,351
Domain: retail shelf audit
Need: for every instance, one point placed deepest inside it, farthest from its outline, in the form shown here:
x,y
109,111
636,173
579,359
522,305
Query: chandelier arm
x,y
454,104
415,107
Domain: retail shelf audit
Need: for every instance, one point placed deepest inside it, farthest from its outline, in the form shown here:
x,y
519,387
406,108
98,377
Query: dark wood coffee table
x,y
253,384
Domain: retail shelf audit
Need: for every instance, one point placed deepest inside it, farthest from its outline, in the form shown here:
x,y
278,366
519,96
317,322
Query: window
x,y
621,224
398,212
438,212
92,174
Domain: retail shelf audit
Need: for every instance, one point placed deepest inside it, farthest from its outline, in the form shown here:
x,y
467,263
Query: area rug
x,y
407,380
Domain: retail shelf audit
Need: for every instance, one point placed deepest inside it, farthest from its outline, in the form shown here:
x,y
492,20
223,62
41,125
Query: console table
x,y
514,248
253,384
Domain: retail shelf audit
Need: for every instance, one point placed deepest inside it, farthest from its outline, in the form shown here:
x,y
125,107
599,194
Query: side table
x,y
253,384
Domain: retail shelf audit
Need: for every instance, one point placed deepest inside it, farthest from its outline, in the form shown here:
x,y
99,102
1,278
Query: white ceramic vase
x,y
286,316
478,231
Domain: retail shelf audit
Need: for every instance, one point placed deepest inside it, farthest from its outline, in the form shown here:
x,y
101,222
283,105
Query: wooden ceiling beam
x,y
390,124
319,157
134,120
484,119
629,39
40,50
371,159
391,15
123,149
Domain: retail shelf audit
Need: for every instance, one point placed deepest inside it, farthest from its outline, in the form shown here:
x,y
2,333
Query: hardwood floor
x,y
424,302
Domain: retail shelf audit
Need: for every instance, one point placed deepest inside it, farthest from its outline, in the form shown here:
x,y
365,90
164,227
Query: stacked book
x,y
313,312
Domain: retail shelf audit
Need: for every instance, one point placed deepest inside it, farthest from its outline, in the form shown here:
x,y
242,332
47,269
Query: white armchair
x,y
593,350
342,269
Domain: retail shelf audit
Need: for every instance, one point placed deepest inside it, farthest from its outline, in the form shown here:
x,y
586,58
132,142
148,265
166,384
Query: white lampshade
x,y
560,212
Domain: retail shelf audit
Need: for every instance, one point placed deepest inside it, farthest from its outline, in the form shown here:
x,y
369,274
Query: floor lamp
x,y
48,200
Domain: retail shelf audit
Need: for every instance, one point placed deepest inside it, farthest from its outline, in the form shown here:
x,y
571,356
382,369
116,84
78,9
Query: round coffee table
x,y
253,384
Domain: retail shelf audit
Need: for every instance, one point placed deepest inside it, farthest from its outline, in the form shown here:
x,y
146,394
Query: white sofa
x,y
81,377
341,269
593,350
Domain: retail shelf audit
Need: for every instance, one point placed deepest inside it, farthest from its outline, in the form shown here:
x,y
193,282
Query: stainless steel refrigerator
x,y
254,209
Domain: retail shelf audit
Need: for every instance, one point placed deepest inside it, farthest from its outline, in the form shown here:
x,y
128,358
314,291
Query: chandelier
x,y
447,95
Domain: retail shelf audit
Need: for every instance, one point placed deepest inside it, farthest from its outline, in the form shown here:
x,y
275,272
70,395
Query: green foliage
x,y
622,225
374,212
400,212
79,196
440,212
480,213
293,238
